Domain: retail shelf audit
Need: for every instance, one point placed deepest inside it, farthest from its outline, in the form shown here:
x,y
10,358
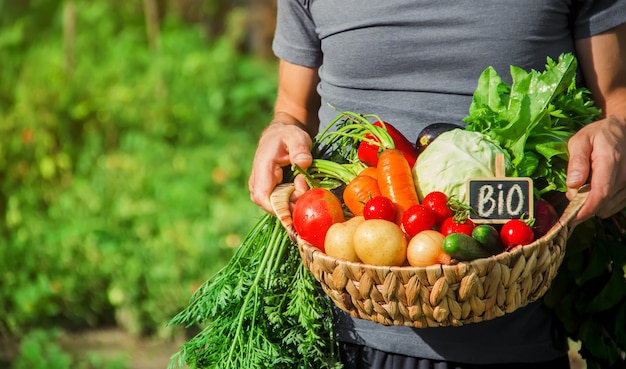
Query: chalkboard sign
x,y
499,199
496,200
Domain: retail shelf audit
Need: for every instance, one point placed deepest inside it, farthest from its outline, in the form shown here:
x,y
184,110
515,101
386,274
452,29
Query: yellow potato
x,y
338,242
380,242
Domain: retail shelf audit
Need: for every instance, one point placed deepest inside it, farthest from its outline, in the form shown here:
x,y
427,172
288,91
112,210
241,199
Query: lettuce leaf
x,y
533,118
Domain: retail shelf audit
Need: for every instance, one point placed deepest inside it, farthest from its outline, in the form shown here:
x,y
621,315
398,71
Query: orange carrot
x,y
395,179
358,191
369,171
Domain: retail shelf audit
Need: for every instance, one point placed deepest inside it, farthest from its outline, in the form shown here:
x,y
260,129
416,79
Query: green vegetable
x,y
489,238
452,158
533,118
262,310
463,247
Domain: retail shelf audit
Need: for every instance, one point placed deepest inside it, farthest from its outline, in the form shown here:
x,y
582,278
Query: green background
x,y
127,131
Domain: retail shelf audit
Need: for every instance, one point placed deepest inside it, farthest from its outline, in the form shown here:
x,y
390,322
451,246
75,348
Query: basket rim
x,y
284,191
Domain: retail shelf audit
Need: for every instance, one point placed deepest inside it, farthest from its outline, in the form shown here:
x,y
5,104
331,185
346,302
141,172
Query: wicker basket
x,y
437,295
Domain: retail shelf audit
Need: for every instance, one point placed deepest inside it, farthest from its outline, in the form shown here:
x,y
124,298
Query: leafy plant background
x,y
123,163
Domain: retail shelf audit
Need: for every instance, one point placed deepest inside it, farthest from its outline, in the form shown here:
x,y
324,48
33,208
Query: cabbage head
x,y
454,157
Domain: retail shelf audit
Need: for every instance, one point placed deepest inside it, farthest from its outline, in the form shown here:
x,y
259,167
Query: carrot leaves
x,y
262,310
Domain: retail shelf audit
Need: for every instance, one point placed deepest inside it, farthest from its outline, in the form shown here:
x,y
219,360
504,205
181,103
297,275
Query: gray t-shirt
x,y
417,62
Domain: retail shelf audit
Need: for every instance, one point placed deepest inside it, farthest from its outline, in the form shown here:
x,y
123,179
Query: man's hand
x,y
598,152
280,145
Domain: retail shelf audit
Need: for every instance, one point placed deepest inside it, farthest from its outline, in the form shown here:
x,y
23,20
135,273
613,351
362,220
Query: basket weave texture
x,y
437,295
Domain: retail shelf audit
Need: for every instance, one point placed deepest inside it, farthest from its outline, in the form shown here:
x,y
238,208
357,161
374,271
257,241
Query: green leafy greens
x,y
533,118
262,310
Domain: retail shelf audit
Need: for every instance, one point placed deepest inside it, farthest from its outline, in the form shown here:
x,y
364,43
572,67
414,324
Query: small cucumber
x,y
463,247
489,238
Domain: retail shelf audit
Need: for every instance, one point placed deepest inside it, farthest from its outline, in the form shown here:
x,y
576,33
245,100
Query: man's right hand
x,y
280,145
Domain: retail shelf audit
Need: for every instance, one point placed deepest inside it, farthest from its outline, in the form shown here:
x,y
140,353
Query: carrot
x,y
358,191
395,179
369,171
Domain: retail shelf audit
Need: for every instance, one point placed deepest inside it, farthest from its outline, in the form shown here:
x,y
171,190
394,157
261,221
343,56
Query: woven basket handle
x,y
279,199
574,206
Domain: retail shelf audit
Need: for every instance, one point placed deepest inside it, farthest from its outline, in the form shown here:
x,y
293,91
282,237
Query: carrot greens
x,y
262,310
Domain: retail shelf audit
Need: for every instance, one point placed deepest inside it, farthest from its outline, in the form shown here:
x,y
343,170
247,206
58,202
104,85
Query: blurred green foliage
x,y
123,168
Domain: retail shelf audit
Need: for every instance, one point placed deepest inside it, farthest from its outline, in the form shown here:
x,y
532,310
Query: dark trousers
x,y
362,357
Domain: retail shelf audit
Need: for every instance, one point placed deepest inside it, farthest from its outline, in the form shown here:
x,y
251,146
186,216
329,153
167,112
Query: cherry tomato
x,y
379,207
417,218
438,202
314,212
452,225
516,232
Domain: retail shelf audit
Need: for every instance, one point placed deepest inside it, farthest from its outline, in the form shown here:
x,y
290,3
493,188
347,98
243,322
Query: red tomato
x,y
452,225
314,212
438,202
417,218
368,152
379,207
516,232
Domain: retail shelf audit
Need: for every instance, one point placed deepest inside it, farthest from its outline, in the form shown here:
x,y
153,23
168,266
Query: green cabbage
x,y
454,157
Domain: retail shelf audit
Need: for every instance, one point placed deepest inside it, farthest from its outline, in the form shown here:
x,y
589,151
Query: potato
x,y
338,242
380,242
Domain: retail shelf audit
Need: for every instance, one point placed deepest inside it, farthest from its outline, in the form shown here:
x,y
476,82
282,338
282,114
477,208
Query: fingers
x,y
598,151
301,187
578,170
261,186
280,145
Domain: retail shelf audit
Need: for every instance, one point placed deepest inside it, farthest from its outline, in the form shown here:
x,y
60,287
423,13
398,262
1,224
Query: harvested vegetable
x,y
489,238
370,150
380,207
339,241
463,247
545,217
395,180
314,212
456,224
425,248
418,218
380,242
452,158
533,118
262,310
439,203
516,232
358,191
431,132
